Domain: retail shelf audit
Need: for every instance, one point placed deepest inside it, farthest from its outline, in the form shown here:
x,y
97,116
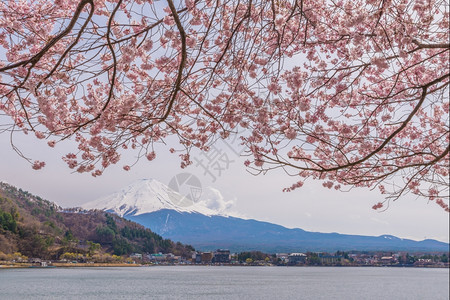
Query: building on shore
x,y
222,256
207,257
296,258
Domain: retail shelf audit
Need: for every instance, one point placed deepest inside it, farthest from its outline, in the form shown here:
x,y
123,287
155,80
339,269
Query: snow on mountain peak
x,y
145,196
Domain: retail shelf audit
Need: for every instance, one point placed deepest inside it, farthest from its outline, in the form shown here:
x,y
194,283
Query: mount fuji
x,y
204,224
146,196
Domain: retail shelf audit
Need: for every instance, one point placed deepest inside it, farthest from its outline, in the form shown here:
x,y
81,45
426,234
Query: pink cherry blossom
x,y
352,93
37,165
151,155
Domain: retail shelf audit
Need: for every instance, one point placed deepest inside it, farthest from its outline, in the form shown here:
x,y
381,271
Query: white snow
x,y
148,195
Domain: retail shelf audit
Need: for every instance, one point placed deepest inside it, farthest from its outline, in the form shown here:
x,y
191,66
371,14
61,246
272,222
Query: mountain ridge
x,y
39,228
212,232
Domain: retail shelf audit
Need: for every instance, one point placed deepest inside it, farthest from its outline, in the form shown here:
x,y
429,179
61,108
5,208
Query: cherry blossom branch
x,y
33,60
431,46
182,61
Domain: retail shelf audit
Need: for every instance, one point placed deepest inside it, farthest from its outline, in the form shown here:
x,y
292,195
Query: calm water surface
x,y
201,282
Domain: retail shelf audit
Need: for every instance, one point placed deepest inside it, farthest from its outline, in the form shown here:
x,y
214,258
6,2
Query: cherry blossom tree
x,y
354,93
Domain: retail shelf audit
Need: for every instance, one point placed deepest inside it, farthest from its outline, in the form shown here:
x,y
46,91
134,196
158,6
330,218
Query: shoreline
x,y
65,265
126,265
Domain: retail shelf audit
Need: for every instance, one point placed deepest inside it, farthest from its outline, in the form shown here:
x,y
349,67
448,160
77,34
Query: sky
x,y
224,177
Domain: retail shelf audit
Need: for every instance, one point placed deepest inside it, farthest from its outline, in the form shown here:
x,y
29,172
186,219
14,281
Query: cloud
x,y
214,200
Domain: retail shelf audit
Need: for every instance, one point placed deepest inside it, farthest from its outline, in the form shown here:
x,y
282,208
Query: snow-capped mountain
x,y
201,221
146,196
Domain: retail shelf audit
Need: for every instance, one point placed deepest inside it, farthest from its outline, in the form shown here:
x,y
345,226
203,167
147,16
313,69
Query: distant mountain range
x,y
157,207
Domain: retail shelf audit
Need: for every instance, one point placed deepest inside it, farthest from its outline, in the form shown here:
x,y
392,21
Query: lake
x,y
225,282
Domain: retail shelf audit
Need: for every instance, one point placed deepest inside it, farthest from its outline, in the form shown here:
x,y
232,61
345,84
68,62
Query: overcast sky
x,y
311,207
